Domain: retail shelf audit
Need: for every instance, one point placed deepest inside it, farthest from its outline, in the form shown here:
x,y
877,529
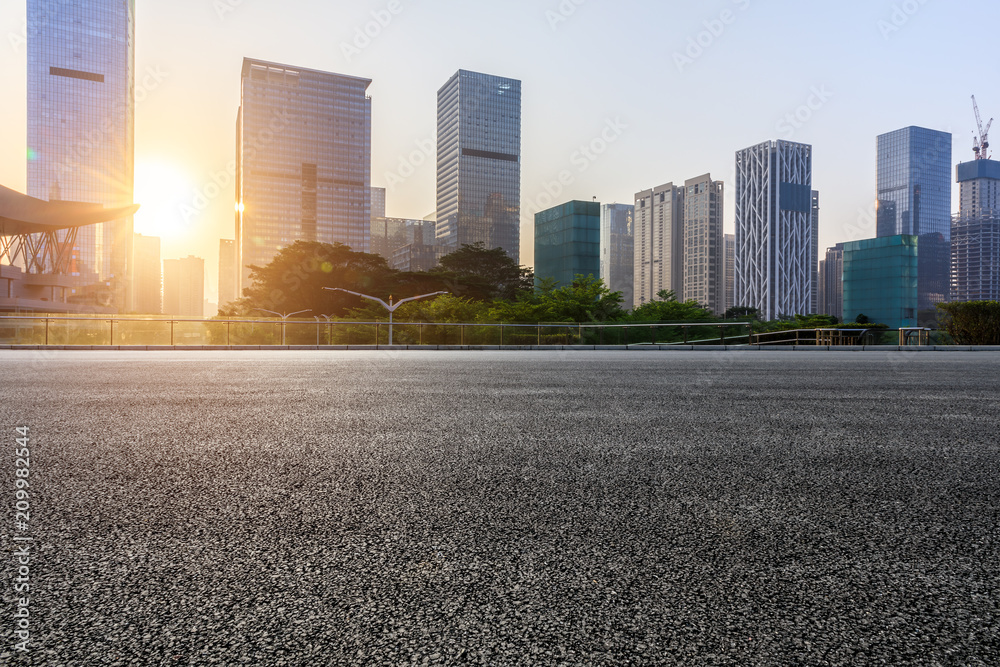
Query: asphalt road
x,y
624,508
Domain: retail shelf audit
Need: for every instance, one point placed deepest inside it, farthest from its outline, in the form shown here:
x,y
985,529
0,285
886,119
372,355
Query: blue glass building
x,y
479,162
914,198
880,280
618,249
81,129
568,242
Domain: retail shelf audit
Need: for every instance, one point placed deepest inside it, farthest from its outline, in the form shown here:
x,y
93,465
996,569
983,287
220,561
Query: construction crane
x,y
981,144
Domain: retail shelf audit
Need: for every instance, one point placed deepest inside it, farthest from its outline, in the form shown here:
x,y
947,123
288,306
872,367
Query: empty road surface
x,y
502,508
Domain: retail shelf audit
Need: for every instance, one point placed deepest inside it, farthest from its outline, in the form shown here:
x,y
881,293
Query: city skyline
x,y
824,97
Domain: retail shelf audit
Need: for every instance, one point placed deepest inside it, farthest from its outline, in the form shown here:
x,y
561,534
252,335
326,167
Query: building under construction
x,y
975,233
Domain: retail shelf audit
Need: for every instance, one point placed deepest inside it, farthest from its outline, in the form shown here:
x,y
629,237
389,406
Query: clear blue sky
x,y
867,67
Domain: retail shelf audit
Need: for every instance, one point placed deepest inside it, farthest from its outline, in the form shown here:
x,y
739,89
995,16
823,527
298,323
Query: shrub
x,y
973,322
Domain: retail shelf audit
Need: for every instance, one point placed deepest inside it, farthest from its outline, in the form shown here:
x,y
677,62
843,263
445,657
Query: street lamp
x,y
388,306
284,318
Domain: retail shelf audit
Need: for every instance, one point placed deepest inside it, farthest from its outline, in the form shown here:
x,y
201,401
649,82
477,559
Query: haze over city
x,y
683,86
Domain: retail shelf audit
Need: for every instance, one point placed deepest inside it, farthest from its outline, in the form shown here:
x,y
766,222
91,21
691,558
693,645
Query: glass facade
x,y
880,280
831,282
618,249
148,280
390,234
730,270
914,198
568,242
479,162
227,272
304,161
703,245
184,287
81,127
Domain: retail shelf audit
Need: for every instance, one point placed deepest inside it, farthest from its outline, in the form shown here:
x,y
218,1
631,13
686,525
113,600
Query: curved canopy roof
x,y
21,214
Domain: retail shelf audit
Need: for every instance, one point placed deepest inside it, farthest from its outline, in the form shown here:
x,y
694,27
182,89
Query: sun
x,y
161,190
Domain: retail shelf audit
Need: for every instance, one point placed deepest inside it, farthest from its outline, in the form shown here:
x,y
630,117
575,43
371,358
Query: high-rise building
x,y
184,287
618,249
914,198
775,254
227,272
391,234
148,279
815,251
730,271
880,280
703,245
479,162
568,242
659,243
975,233
303,161
831,282
81,127
378,203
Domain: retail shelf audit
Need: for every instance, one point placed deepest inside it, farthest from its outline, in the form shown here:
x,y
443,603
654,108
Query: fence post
x,y
171,333
46,331
539,331
229,333
685,332
501,335
112,321
376,335
462,339
420,329
722,334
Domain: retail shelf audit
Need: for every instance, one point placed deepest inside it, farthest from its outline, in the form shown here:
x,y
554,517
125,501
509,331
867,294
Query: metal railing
x,y
116,331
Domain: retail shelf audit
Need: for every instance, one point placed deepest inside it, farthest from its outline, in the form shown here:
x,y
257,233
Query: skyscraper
x,y
568,242
774,228
914,182
914,198
659,243
618,249
730,271
184,287
148,279
479,162
227,272
831,282
303,161
703,244
975,233
815,252
81,126
880,280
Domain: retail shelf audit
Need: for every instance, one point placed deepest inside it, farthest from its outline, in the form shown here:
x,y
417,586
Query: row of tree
x,y
482,286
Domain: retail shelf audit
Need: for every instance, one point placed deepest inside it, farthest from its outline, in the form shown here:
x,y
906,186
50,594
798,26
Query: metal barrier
x,y
113,331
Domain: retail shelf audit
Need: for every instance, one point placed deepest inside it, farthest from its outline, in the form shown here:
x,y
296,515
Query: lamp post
x,y
388,306
284,318
327,319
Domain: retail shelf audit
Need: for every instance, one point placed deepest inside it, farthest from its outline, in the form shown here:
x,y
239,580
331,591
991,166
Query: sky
x,y
617,97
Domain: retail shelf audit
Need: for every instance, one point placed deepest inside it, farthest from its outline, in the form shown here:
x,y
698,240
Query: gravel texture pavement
x,y
502,508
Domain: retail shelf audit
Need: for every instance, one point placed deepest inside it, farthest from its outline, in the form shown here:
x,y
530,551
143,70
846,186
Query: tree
x,y
668,309
586,300
295,278
484,275
973,322
741,313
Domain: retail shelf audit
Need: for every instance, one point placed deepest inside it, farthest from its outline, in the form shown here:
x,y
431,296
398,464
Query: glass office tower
x,y
775,250
880,280
81,128
618,249
303,161
568,242
914,198
479,162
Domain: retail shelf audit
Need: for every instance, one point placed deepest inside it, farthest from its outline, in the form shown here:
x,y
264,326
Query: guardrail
x,y
179,332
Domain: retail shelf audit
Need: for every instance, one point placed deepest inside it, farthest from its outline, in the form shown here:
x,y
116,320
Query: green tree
x,y
972,322
474,272
586,300
668,309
